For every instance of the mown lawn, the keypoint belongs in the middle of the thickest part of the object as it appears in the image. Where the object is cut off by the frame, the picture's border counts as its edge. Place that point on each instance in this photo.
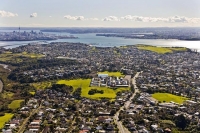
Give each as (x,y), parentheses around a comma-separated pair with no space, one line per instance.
(115,74)
(84,84)
(78,83)
(167,97)
(160,50)
(108,92)
(15,104)
(4,119)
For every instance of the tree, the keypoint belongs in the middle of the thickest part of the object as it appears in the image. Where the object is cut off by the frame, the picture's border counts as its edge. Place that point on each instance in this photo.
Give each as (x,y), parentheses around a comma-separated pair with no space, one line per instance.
(132,88)
(93,91)
(181,121)
(112,112)
(77,93)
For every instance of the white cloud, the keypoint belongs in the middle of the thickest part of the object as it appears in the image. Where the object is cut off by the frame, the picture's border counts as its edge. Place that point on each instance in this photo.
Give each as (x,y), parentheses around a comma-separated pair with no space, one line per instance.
(95,19)
(194,20)
(111,18)
(180,19)
(33,15)
(143,19)
(7,14)
(74,17)
(79,18)
(174,19)
(50,16)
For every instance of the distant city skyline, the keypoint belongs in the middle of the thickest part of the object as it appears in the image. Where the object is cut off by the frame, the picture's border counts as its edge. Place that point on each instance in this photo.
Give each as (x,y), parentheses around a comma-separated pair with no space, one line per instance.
(100,13)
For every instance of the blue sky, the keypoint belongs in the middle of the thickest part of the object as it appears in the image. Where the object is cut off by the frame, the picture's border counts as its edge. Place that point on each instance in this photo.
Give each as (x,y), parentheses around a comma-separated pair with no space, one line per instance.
(100,13)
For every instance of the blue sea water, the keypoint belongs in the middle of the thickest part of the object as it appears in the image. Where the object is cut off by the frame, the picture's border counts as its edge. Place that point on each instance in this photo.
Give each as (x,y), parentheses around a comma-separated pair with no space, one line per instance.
(102,41)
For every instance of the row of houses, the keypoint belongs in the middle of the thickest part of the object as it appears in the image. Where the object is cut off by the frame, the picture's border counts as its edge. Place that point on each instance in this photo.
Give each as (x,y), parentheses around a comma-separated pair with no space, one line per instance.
(109,81)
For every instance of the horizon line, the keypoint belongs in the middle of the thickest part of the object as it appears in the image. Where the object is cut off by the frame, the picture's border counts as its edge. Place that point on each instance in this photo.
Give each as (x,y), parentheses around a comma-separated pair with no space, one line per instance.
(96,27)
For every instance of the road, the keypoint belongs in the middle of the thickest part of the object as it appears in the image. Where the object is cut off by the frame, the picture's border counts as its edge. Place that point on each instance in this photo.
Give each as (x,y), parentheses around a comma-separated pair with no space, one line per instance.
(5,67)
(1,83)
(23,126)
(127,103)
(121,128)
(1,86)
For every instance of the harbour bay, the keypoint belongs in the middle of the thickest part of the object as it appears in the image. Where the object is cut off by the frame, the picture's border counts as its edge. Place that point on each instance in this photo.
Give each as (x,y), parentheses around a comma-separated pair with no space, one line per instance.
(101,41)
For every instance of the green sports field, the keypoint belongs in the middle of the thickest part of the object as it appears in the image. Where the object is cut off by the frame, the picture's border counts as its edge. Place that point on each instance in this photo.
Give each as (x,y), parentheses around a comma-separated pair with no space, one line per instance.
(15,104)
(160,50)
(167,97)
(4,119)
(84,84)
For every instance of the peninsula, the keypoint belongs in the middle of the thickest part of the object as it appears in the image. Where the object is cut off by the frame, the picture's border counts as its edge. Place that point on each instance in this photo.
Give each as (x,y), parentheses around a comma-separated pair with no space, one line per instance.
(31,36)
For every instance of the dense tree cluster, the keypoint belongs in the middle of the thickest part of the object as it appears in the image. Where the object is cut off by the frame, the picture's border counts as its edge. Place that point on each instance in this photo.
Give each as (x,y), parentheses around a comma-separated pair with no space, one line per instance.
(181,121)
(93,91)
(77,93)
(18,74)
(62,88)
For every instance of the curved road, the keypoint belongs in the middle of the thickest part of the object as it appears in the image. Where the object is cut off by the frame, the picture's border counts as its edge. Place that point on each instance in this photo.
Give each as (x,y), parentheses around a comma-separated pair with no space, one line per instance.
(5,66)
(1,83)
(1,86)
(121,128)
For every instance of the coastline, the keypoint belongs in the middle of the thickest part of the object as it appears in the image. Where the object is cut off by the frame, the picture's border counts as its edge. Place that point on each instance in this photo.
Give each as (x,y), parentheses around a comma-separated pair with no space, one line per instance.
(38,39)
(100,41)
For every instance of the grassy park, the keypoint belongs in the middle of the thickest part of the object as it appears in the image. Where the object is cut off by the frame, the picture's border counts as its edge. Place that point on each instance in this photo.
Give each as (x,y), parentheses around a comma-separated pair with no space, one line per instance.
(15,104)
(85,85)
(4,119)
(78,83)
(160,50)
(167,97)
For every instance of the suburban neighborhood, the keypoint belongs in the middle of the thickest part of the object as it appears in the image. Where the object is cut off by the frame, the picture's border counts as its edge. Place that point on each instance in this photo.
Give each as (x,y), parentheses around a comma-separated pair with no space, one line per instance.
(104,90)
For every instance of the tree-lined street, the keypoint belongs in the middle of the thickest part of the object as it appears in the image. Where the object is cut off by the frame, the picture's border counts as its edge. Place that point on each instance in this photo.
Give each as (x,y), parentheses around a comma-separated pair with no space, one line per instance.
(122,129)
